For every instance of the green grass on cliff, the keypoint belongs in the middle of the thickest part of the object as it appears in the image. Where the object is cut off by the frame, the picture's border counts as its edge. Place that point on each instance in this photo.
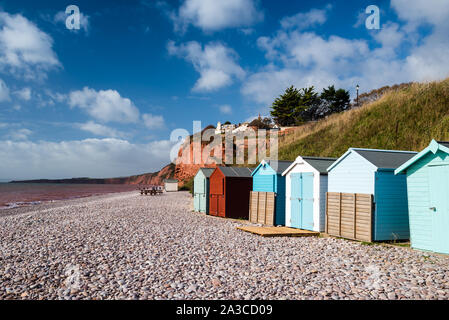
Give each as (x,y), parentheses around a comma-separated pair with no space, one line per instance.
(188,186)
(405,119)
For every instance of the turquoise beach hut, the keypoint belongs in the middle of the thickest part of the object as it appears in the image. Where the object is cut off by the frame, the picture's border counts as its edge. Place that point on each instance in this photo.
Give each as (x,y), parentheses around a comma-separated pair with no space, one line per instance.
(371,171)
(267,177)
(201,190)
(428,197)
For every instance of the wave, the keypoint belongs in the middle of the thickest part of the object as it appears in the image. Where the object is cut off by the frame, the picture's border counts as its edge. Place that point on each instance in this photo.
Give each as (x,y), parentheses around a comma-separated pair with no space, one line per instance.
(12,205)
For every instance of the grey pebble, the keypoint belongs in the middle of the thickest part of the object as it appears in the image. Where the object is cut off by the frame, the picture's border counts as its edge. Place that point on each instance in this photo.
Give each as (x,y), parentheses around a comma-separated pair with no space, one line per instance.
(127,246)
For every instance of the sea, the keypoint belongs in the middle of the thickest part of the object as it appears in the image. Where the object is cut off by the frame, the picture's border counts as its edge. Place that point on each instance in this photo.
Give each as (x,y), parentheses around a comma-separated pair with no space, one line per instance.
(13,195)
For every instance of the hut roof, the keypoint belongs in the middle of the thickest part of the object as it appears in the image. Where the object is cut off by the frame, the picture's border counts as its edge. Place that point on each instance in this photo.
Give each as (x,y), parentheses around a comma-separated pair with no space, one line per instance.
(433,147)
(280,165)
(236,172)
(386,159)
(381,159)
(207,171)
(444,143)
(319,163)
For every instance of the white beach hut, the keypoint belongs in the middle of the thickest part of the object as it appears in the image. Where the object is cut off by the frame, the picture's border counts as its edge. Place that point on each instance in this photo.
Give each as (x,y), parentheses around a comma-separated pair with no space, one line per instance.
(171,185)
(305,197)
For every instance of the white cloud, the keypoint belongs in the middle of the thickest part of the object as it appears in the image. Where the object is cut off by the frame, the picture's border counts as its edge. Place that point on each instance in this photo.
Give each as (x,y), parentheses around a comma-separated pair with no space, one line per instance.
(91,157)
(247,31)
(56,96)
(20,134)
(391,36)
(216,15)
(25,50)
(4,91)
(225,109)
(360,19)
(306,58)
(215,63)
(104,105)
(418,12)
(429,59)
(17,107)
(303,20)
(100,130)
(24,94)
(61,17)
(50,98)
(153,121)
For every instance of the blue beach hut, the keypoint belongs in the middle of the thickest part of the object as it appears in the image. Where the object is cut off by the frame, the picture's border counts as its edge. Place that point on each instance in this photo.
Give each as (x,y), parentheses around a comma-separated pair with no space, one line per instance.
(267,177)
(428,197)
(371,171)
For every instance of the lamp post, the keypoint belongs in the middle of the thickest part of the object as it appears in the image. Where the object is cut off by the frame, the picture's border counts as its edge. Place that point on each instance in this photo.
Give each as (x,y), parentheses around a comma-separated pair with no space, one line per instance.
(357,87)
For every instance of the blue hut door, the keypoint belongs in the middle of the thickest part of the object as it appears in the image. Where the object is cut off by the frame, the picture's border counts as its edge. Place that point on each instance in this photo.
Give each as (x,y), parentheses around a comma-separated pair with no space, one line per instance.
(307,201)
(197,202)
(301,200)
(439,208)
(203,197)
(295,215)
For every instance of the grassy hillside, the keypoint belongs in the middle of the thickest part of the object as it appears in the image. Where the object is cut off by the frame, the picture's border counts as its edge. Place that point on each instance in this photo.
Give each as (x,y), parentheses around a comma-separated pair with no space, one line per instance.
(404,119)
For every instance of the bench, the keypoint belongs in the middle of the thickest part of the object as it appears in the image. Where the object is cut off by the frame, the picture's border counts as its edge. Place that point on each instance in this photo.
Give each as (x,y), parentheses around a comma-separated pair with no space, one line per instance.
(151,190)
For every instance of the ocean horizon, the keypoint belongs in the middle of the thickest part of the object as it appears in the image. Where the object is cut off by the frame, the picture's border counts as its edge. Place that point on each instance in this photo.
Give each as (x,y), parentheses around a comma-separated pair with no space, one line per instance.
(13,195)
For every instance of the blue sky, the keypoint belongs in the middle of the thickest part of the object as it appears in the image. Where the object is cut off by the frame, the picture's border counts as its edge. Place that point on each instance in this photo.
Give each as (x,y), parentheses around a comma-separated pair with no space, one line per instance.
(102,101)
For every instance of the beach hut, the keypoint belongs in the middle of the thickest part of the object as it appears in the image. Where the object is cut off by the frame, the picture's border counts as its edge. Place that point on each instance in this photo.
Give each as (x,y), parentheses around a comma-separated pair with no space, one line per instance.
(366,200)
(305,197)
(428,197)
(171,185)
(229,192)
(267,177)
(201,189)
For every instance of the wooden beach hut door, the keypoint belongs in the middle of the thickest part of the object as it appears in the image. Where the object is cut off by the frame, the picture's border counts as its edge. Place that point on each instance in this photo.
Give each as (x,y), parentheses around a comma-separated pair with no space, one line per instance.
(217,199)
(213,205)
(301,201)
(439,207)
(196,202)
(202,197)
(203,203)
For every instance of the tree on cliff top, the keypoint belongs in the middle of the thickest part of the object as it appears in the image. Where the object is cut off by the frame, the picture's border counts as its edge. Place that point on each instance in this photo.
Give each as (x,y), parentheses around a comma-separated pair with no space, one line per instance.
(287,110)
(336,100)
(297,106)
(284,106)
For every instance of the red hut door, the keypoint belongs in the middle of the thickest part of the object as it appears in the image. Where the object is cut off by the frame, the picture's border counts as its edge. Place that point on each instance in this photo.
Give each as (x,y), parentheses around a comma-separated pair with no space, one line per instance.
(217,197)
(221,201)
(213,205)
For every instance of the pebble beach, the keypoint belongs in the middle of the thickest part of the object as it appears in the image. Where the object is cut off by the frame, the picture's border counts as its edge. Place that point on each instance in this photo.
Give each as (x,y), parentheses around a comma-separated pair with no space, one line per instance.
(128,246)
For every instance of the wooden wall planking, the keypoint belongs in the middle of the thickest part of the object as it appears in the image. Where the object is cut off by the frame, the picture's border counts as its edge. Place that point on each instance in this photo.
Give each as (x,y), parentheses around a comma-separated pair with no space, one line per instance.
(262,207)
(349,215)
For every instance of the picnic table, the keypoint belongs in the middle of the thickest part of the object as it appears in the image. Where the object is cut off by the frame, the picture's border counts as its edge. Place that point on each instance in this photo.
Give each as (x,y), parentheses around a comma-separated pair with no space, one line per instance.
(151,190)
